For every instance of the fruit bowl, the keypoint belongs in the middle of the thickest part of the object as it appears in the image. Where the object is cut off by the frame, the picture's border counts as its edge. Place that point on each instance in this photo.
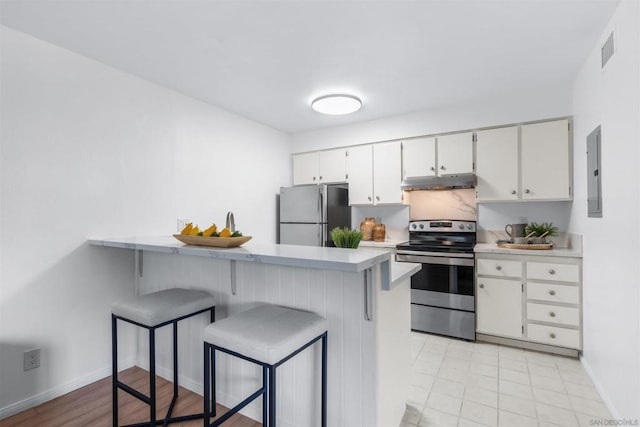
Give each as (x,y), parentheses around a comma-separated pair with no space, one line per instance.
(218,242)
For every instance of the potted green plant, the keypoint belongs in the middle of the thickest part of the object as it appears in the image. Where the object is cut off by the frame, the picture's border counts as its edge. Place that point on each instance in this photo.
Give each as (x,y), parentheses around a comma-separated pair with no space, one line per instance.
(346,238)
(541,231)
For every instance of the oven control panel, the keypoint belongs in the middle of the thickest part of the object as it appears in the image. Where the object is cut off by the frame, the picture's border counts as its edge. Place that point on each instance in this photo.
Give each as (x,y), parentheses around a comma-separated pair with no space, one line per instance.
(443,226)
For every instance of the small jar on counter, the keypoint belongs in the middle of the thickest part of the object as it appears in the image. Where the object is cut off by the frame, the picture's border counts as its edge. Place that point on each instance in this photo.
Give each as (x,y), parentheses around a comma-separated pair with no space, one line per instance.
(379,232)
(366,226)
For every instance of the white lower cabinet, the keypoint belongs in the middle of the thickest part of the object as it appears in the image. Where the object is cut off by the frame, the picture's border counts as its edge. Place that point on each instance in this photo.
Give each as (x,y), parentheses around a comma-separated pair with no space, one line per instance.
(533,299)
(499,307)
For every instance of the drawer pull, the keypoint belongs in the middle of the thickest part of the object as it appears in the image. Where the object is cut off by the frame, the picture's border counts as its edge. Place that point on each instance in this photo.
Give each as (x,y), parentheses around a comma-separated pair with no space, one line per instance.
(481,285)
(552,335)
(552,271)
(552,314)
(552,292)
(498,267)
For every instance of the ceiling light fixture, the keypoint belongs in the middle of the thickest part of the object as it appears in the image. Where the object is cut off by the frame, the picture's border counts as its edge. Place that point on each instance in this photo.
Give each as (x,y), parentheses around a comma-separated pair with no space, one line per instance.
(336,104)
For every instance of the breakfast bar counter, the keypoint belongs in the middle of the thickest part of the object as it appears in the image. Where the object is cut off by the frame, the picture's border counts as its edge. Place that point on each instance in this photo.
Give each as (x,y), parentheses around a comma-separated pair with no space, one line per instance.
(363,294)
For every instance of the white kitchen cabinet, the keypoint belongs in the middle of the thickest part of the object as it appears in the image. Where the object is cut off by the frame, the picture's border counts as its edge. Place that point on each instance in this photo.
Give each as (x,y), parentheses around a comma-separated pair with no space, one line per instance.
(499,307)
(321,167)
(419,157)
(374,174)
(360,174)
(441,156)
(332,166)
(305,169)
(455,153)
(497,164)
(545,155)
(534,299)
(387,173)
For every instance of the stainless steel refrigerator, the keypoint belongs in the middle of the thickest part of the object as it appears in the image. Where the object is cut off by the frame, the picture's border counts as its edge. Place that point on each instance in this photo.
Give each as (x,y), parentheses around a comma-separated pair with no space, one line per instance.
(308,213)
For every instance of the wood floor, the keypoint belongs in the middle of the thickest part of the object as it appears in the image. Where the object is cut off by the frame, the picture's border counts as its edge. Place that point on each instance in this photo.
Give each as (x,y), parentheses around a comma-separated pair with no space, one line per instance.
(91,406)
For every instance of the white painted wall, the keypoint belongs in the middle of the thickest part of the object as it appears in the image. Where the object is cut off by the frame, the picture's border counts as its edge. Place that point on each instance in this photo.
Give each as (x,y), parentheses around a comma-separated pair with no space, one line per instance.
(611,98)
(89,151)
(533,104)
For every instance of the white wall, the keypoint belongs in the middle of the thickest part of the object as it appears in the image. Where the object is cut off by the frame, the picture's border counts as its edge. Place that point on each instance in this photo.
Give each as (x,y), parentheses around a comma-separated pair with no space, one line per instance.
(89,151)
(536,104)
(611,98)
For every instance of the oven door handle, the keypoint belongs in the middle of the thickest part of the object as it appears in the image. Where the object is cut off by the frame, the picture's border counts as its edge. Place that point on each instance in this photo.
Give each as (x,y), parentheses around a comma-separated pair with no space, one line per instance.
(440,260)
(437,254)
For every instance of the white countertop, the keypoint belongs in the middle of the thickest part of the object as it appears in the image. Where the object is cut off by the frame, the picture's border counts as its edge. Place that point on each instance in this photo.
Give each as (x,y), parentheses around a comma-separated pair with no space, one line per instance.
(385,244)
(348,260)
(492,248)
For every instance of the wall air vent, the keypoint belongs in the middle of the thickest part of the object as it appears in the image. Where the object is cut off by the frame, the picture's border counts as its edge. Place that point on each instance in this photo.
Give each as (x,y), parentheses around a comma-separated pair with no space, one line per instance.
(607,50)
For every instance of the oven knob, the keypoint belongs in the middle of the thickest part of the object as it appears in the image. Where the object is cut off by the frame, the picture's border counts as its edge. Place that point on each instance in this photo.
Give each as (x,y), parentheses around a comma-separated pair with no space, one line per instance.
(414,226)
(461,226)
(469,226)
(421,226)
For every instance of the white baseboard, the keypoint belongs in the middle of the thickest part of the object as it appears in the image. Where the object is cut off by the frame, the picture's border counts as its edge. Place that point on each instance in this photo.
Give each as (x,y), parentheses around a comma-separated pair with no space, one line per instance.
(605,398)
(72,385)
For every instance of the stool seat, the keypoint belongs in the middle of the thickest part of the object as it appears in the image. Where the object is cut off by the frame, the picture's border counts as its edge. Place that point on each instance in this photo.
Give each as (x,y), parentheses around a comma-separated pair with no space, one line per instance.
(163,306)
(267,333)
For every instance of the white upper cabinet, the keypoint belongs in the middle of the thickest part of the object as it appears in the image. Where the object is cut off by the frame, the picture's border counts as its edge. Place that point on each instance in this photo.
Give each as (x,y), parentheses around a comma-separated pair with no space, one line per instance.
(546,171)
(360,174)
(419,157)
(441,156)
(497,164)
(305,169)
(455,154)
(322,167)
(387,173)
(375,174)
(332,166)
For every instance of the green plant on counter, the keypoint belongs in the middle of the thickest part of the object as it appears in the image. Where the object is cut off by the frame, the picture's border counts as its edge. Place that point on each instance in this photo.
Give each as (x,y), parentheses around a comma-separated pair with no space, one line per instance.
(345,238)
(540,229)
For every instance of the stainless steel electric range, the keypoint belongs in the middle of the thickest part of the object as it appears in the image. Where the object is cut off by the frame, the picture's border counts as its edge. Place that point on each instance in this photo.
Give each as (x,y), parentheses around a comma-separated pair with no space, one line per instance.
(442,293)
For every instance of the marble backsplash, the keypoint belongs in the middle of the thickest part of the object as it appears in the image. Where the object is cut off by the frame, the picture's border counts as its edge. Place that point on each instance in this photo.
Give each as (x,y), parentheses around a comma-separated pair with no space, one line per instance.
(459,204)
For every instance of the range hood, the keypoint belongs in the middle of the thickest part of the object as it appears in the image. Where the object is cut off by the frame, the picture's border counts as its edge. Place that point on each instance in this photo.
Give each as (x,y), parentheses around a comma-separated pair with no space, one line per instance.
(467,180)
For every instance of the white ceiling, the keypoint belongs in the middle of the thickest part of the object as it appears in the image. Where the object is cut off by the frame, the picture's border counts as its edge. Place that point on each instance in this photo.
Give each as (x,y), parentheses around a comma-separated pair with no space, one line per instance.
(266,60)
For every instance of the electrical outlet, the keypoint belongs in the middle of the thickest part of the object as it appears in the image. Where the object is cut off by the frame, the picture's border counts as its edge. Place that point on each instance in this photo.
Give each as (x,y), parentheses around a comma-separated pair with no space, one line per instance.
(31,359)
(182,223)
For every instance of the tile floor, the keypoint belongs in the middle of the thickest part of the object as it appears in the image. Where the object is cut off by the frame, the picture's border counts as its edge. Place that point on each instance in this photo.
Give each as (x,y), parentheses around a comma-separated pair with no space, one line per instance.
(459,383)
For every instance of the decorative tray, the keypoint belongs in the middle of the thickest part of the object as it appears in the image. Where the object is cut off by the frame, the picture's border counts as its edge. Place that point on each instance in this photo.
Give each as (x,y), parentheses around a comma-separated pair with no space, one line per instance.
(530,246)
(218,242)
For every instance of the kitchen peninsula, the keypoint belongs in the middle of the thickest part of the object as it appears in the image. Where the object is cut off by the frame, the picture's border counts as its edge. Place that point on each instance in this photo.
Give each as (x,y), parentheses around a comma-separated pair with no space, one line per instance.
(361,293)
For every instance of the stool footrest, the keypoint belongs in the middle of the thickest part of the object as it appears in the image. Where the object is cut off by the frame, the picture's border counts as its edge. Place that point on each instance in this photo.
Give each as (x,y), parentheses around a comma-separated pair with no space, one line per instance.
(169,420)
(231,412)
(133,392)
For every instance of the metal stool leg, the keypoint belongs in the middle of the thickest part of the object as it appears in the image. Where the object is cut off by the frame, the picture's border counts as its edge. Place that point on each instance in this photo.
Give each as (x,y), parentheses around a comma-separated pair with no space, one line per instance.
(324,380)
(152,376)
(114,368)
(207,385)
(272,396)
(265,395)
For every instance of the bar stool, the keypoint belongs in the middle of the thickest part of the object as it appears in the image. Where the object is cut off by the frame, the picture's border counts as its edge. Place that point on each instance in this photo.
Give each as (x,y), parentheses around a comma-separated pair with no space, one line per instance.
(152,311)
(268,336)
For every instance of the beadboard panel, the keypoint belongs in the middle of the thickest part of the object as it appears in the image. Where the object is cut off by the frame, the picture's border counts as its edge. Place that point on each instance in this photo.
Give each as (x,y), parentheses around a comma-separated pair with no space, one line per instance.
(338,296)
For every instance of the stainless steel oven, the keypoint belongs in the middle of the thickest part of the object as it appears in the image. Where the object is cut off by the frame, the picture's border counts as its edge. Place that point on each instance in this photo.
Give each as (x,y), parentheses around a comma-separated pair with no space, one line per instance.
(442,293)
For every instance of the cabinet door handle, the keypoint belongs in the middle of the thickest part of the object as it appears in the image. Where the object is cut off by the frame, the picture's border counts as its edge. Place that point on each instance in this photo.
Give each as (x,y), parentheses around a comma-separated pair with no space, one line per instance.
(498,267)
(442,168)
(481,285)
(552,314)
(378,198)
(369,198)
(513,191)
(321,177)
(433,168)
(552,292)
(552,271)
(314,178)
(527,191)
(552,335)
